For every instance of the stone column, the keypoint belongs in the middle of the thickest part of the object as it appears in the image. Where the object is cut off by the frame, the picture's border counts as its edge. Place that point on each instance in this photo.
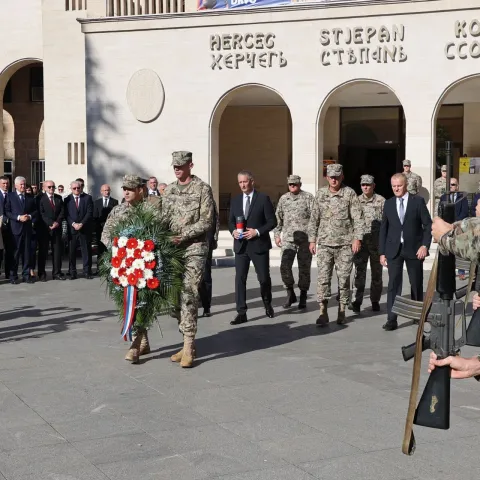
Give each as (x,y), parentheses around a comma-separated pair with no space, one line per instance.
(471,128)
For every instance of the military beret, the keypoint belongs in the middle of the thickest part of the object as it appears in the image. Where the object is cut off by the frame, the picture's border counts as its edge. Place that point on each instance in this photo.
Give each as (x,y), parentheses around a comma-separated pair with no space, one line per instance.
(334,170)
(181,158)
(366,179)
(407,163)
(294,179)
(131,181)
(444,168)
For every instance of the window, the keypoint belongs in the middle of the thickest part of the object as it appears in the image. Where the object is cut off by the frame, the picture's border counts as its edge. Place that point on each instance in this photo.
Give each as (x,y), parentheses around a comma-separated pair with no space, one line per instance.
(37,175)
(7,94)
(8,170)
(36,84)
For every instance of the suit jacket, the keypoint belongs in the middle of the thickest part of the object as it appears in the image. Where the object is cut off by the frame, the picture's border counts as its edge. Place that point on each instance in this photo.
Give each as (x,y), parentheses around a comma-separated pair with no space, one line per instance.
(14,208)
(461,205)
(476,198)
(261,216)
(100,213)
(83,215)
(49,215)
(416,228)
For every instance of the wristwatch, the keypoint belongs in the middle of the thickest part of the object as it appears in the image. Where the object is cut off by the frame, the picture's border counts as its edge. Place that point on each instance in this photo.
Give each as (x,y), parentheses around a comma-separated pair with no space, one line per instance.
(477,377)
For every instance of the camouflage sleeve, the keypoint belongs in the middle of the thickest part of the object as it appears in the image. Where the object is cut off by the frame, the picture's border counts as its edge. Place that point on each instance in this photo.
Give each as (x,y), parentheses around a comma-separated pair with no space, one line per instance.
(108,227)
(312,230)
(465,240)
(419,182)
(217,223)
(279,214)
(356,214)
(205,220)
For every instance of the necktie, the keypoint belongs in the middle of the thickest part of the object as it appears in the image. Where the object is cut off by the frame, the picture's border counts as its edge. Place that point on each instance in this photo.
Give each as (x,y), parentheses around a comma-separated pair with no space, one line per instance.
(77,201)
(401,211)
(452,198)
(52,203)
(105,203)
(22,199)
(247,206)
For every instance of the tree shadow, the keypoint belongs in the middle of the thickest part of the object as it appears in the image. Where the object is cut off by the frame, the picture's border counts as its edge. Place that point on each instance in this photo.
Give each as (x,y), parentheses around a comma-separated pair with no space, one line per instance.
(249,338)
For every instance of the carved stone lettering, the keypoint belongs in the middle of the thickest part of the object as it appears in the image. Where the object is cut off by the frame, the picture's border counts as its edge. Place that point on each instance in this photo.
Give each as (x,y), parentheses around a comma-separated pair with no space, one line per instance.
(468,31)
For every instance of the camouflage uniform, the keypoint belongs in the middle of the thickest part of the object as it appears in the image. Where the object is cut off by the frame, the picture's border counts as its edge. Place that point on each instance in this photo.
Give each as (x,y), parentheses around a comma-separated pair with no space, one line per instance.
(189,211)
(439,188)
(464,241)
(336,221)
(414,181)
(293,213)
(373,213)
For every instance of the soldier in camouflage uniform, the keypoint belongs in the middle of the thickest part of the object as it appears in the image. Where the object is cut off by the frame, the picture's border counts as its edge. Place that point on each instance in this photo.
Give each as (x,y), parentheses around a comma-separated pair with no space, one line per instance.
(336,226)
(187,206)
(414,181)
(372,205)
(439,188)
(133,194)
(293,213)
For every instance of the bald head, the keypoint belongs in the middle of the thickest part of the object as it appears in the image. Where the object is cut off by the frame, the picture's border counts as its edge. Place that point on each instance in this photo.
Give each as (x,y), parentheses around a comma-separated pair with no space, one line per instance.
(105,190)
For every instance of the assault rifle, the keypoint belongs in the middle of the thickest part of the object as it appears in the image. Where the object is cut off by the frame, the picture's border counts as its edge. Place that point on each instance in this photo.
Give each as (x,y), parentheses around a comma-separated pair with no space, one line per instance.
(439,308)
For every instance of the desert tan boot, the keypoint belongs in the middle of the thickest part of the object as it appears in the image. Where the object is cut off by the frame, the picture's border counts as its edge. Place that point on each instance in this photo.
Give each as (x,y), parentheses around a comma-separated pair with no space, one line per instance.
(144,343)
(133,353)
(188,352)
(322,320)
(177,357)
(341,315)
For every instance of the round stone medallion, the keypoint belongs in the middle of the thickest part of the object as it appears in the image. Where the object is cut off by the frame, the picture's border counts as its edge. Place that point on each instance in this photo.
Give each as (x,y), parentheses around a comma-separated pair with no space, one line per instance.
(145,95)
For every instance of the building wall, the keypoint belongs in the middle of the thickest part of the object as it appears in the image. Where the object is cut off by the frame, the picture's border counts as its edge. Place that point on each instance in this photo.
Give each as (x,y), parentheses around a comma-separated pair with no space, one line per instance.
(255,139)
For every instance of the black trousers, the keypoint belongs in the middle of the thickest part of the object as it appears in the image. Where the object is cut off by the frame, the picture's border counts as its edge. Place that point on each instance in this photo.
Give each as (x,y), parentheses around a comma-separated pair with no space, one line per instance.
(21,253)
(53,240)
(85,241)
(261,262)
(101,248)
(6,255)
(205,289)
(395,280)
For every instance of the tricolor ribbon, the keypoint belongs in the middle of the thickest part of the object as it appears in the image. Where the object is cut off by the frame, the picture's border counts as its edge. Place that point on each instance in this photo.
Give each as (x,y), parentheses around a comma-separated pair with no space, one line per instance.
(129,302)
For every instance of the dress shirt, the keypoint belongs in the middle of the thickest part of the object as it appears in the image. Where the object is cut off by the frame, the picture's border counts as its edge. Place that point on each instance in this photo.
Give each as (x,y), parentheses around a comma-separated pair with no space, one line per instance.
(75,200)
(245,196)
(105,201)
(405,202)
(152,192)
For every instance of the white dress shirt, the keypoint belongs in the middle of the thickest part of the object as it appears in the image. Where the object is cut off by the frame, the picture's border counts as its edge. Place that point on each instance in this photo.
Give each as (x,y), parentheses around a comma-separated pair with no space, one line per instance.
(405,202)
(245,196)
(152,192)
(105,201)
(22,194)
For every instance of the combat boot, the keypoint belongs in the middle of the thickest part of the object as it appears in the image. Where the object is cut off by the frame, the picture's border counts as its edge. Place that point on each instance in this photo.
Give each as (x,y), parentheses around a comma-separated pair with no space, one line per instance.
(341,314)
(291,298)
(188,352)
(144,343)
(355,307)
(303,299)
(322,320)
(177,357)
(133,354)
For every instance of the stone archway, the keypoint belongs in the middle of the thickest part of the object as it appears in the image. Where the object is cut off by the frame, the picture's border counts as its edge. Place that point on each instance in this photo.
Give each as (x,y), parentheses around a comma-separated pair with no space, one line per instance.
(250,129)
(361,124)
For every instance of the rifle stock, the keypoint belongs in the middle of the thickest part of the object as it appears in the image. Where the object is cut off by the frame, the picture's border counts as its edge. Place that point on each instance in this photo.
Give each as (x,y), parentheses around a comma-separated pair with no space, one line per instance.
(473,329)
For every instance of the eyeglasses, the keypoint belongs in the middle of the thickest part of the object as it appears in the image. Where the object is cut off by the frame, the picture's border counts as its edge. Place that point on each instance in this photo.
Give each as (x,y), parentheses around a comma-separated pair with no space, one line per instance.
(366,185)
(51,186)
(453,185)
(292,184)
(75,188)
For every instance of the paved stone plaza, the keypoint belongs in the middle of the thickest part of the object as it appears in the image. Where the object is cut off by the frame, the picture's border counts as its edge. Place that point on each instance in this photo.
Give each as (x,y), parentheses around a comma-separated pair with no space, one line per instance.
(269,400)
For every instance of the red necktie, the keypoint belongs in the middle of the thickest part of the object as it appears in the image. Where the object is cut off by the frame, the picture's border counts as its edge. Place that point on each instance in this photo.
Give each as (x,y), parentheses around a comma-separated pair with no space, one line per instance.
(52,202)
(76,201)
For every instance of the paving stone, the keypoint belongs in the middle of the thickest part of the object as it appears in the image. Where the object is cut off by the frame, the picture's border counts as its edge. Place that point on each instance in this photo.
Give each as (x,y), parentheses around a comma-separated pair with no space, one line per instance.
(27,437)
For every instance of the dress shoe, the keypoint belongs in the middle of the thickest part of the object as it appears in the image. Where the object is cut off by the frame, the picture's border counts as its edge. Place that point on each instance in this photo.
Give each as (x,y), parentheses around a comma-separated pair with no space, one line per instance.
(29,280)
(42,277)
(355,307)
(291,298)
(73,276)
(269,311)
(240,318)
(375,306)
(59,277)
(206,312)
(390,325)
(88,275)
(14,281)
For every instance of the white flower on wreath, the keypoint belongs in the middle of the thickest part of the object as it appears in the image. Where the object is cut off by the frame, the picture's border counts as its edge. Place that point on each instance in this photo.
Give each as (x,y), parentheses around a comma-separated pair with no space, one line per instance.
(148,256)
(141,244)
(129,271)
(114,272)
(130,252)
(138,263)
(114,251)
(123,281)
(122,241)
(141,283)
(147,274)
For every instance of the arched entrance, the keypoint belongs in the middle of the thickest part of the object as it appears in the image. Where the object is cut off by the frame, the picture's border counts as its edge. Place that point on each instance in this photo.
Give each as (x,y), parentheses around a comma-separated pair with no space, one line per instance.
(21,95)
(251,129)
(457,119)
(362,126)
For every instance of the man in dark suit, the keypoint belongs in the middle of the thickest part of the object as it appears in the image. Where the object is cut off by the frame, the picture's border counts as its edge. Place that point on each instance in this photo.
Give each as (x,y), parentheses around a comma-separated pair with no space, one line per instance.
(460,201)
(21,211)
(49,231)
(79,215)
(405,236)
(253,245)
(6,255)
(152,185)
(101,208)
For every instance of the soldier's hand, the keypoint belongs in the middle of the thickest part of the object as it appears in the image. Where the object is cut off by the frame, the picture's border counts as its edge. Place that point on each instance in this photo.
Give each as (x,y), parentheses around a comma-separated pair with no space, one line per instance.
(476,301)
(278,242)
(356,245)
(461,367)
(176,240)
(477,209)
(383,260)
(313,248)
(440,227)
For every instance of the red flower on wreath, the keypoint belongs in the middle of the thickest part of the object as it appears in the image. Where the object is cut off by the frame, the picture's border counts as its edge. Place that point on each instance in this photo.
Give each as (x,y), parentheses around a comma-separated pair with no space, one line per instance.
(153,283)
(150,265)
(116,281)
(138,273)
(148,246)
(132,243)
(132,279)
(137,253)
(115,242)
(116,262)
(129,262)
(122,272)
(122,252)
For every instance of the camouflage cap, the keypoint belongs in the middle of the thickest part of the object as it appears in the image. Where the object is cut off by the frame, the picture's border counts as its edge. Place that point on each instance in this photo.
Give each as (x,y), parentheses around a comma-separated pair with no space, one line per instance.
(366,179)
(132,181)
(181,158)
(294,179)
(444,168)
(407,163)
(334,170)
